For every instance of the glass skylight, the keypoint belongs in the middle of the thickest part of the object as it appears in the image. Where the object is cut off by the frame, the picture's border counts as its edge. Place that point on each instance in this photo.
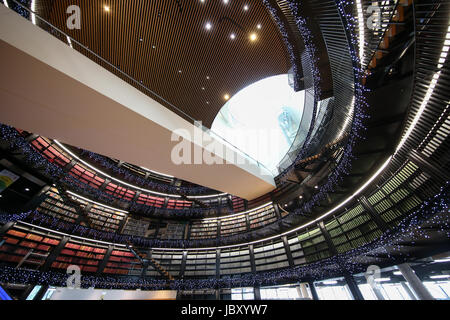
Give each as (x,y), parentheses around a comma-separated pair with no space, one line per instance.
(262,119)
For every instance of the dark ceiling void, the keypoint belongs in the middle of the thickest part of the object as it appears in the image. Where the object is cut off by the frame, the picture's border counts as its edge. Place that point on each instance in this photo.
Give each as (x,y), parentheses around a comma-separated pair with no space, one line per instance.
(191,53)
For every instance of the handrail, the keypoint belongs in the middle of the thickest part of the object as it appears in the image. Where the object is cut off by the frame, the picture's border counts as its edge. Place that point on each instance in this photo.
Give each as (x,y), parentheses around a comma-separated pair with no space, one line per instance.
(196,123)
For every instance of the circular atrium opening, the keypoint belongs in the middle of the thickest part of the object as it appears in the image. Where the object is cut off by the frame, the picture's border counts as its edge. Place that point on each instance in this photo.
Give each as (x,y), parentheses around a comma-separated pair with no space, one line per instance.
(262,119)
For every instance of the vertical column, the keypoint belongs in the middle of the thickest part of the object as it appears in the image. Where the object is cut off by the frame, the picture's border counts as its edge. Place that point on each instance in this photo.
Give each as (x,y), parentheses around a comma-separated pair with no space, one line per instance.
(304,291)
(158,223)
(419,289)
(219,228)
(247,222)
(54,254)
(6,227)
(103,186)
(189,229)
(426,165)
(373,214)
(122,224)
(183,264)
(257,292)
(136,196)
(41,292)
(252,258)
(218,263)
(314,294)
(277,211)
(105,260)
(219,206)
(408,290)
(327,237)
(288,251)
(353,286)
(378,293)
(70,165)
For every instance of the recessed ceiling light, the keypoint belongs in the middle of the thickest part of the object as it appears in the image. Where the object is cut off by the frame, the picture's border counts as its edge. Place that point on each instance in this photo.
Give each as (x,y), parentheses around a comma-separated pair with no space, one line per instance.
(253,37)
(301,197)
(27,189)
(154,47)
(107,8)
(207,77)
(203,88)
(179,71)
(316,187)
(207,102)
(1,196)
(232,36)
(208,26)
(225,1)
(226,96)
(245,7)
(259,26)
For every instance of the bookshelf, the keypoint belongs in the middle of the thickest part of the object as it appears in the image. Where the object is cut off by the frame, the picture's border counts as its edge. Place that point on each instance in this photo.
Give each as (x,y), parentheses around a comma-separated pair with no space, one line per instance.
(235,260)
(173,231)
(50,151)
(262,217)
(85,175)
(18,242)
(86,256)
(204,229)
(122,262)
(54,206)
(150,200)
(178,204)
(104,218)
(136,227)
(233,225)
(120,192)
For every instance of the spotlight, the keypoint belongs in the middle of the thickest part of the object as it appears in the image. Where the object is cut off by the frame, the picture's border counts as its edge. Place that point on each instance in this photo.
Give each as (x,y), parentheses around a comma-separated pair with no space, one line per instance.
(107,8)
(208,26)
(253,37)
(226,96)
(246,8)
(259,26)
(232,36)
(27,189)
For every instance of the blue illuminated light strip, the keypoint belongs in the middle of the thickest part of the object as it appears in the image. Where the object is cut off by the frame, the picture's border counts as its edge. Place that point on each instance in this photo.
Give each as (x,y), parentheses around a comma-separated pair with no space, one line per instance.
(4,295)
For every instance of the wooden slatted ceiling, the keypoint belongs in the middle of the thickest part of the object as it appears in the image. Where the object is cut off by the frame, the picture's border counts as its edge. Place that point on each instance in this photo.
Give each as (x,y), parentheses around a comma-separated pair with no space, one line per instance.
(174,40)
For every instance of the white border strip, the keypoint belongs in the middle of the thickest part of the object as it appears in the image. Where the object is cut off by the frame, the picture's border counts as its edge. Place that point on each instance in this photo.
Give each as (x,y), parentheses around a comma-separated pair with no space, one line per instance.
(127,184)
(101,205)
